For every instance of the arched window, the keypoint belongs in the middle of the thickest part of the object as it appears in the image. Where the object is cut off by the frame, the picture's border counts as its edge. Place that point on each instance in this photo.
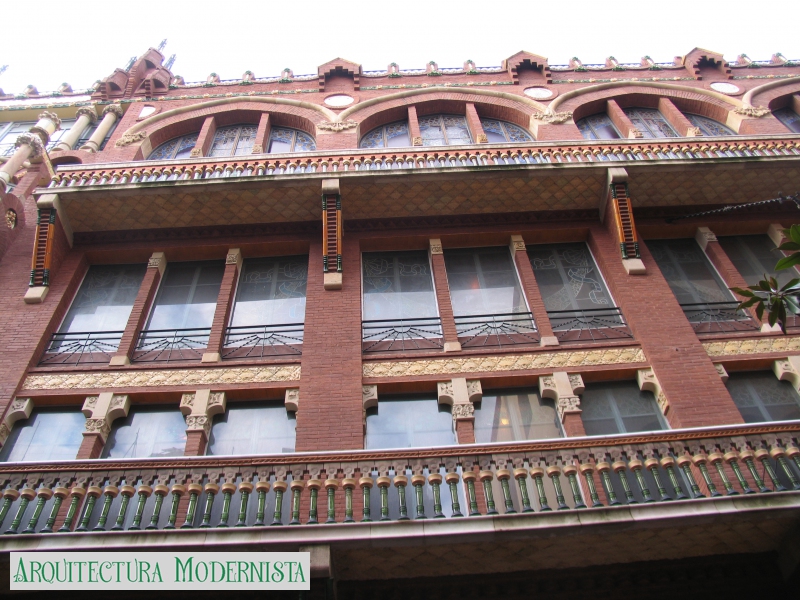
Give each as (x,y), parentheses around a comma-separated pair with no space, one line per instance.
(235,140)
(789,118)
(650,122)
(444,130)
(393,135)
(179,147)
(709,127)
(282,139)
(598,127)
(502,132)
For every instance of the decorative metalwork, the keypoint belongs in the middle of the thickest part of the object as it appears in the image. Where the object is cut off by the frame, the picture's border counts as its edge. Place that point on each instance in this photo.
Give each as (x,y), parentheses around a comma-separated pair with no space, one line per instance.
(593,325)
(505,329)
(250,341)
(718,317)
(81,347)
(163,345)
(401,335)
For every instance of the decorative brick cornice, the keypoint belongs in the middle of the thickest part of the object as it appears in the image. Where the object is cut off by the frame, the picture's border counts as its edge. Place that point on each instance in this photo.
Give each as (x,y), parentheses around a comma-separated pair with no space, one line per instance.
(766,345)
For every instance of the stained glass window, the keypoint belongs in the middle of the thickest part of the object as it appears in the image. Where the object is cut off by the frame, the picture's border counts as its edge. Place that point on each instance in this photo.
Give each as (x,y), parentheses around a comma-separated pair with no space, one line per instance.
(187,296)
(789,118)
(393,135)
(483,281)
(501,132)
(236,140)
(688,271)
(598,127)
(398,285)
(46,435)
(709,127)
(650,122)
(568,277)
(515,415)
(105,299)
(180,147)
(253,428)
(619,407)
(271,291)
(754,256)
(409,422)
(444,130)
(763,397)
(282,139)
(156,432)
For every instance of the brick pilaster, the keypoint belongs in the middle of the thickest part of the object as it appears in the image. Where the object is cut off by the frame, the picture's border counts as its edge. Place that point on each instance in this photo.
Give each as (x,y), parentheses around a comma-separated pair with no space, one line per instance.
(573,425)
(225,300)
(443,297)
(196,442)
(261,144)
(413,127)
(205,137)
(621,121)
(676,118)
(465,431)
(474,124)
(531,290)
(91,446)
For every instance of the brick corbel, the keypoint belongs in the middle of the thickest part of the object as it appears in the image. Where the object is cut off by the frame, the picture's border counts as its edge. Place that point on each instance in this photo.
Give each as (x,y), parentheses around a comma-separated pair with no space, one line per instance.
(564,389)
(291,400)
(621,121)
(788,369)
(19,410)
(199,408)
(648,382)
(100,411)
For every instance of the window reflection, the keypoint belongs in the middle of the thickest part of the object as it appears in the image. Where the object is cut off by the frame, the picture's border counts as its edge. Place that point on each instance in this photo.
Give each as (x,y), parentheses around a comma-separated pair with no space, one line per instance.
(409,422)
(688,271)
(187,296)
(147,432)
(515,415)
(398,285)
(568,277)
(755,255)
(598,127)
(763,397)
(46,435)
(253,428)
(444,130)
(483,281)
(271,291)
(619,407)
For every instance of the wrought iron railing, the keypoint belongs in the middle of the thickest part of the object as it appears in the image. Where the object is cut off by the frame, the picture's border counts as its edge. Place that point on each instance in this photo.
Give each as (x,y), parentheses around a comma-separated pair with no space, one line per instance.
(396,485)
(485,156)
(82,347)
(503,329)
(165,345)
(401,335)
(718,317)
(590,325)
(258,341)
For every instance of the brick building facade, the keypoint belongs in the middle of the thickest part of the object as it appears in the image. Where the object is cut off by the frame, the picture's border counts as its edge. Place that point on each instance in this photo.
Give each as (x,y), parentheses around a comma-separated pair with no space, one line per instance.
(500,293)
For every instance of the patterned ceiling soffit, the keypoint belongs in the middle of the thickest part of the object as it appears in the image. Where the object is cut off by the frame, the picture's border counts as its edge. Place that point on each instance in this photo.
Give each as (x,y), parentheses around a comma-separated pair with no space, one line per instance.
(486,364)
(757,346)
(161,378)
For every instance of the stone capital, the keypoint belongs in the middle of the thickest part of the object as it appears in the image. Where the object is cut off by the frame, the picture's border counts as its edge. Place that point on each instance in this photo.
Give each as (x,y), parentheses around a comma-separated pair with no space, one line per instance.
(158,260)
(369,396)
(648,382)
(19,410)
(200,407)
(435,245)
(114,109)
(234,257)
(788,369)
(564,389)
(517,244)
(101,410)
(703,236)
(460,394)
(34,141)
(87,111)
(291,399)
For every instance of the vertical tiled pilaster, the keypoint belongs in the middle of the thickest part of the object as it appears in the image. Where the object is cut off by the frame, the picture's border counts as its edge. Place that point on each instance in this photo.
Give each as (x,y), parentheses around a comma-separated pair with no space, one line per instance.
(451,343)
(474,124)
(413,127)
(621,120)
(677,119)
(225,300)
(205,138)
(261,144)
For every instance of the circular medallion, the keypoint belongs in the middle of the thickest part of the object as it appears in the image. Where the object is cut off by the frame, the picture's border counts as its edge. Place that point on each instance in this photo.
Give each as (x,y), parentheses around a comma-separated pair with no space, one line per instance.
(725,88)
(539,93)
(339,100)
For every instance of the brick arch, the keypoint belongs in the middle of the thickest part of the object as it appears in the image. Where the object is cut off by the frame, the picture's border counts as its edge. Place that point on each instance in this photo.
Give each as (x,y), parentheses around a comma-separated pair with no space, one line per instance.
(688,100)
(777,94)
(66,160)
(505,107)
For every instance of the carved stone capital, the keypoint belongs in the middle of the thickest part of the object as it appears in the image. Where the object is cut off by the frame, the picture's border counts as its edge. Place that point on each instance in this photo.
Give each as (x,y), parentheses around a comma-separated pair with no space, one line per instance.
(553,118)
(5,431)
(198,423)
(369,396)
(19,410)
(158,260)
(337,126)
(436,246)
(752,111)
(114,109)
(234,257)
(416,141)
(196,153)
(257,149)
(187,401)
(32,140)
(704,235)
(291,400)
(131,138)
(517,244)
(723,373)
(463,412)
(99,426)
(52,117)
(693,132)
(568,404)
(648,382)
(788,369)
(481,139)
(87,111)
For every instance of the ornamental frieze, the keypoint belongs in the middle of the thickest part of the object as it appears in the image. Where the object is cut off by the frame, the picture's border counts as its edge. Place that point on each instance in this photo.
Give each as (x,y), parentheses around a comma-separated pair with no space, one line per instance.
(764,345)
(523,362)
(162,378)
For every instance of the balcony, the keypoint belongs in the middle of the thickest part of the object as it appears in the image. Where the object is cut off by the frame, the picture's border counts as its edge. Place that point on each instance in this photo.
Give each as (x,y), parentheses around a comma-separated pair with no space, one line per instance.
(260,341)
(81,348)
(167,345)
(496,331)
(718,317)
(590,325)
(401,335)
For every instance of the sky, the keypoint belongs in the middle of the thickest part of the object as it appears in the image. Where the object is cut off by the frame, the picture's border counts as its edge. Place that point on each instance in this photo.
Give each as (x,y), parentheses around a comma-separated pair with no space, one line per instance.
(266,36)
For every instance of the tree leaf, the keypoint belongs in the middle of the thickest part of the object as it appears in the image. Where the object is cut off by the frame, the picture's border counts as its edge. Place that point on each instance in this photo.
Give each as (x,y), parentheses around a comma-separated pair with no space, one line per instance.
(788,261)
(760,311)
(794,233)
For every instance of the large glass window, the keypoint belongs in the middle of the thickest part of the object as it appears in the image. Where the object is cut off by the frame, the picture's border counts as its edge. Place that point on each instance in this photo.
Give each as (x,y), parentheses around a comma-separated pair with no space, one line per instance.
(398,285)
(46,435)
(187,296)
(754,256)
(282,139)
(179,147)
(253,428)
(514,415)
(444,130)
(650,122)
(688,271)
(598,127)
(501,131)
(156,432)
(393,135)
(763,397)
(483,281)
(235,140)
(271,291)
(409,422)
(789,118)
(9,132)
(619,407)
(709,127)
(55,137)
(105,299)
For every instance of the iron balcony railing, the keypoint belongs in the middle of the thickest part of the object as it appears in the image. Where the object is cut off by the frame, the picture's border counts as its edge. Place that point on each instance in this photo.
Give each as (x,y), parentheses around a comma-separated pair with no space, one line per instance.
(502,329)
(397,485)
(83,347)
(482,156)
(165,345)
(718,317)
(589,325)
(401,335)
(258,341)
